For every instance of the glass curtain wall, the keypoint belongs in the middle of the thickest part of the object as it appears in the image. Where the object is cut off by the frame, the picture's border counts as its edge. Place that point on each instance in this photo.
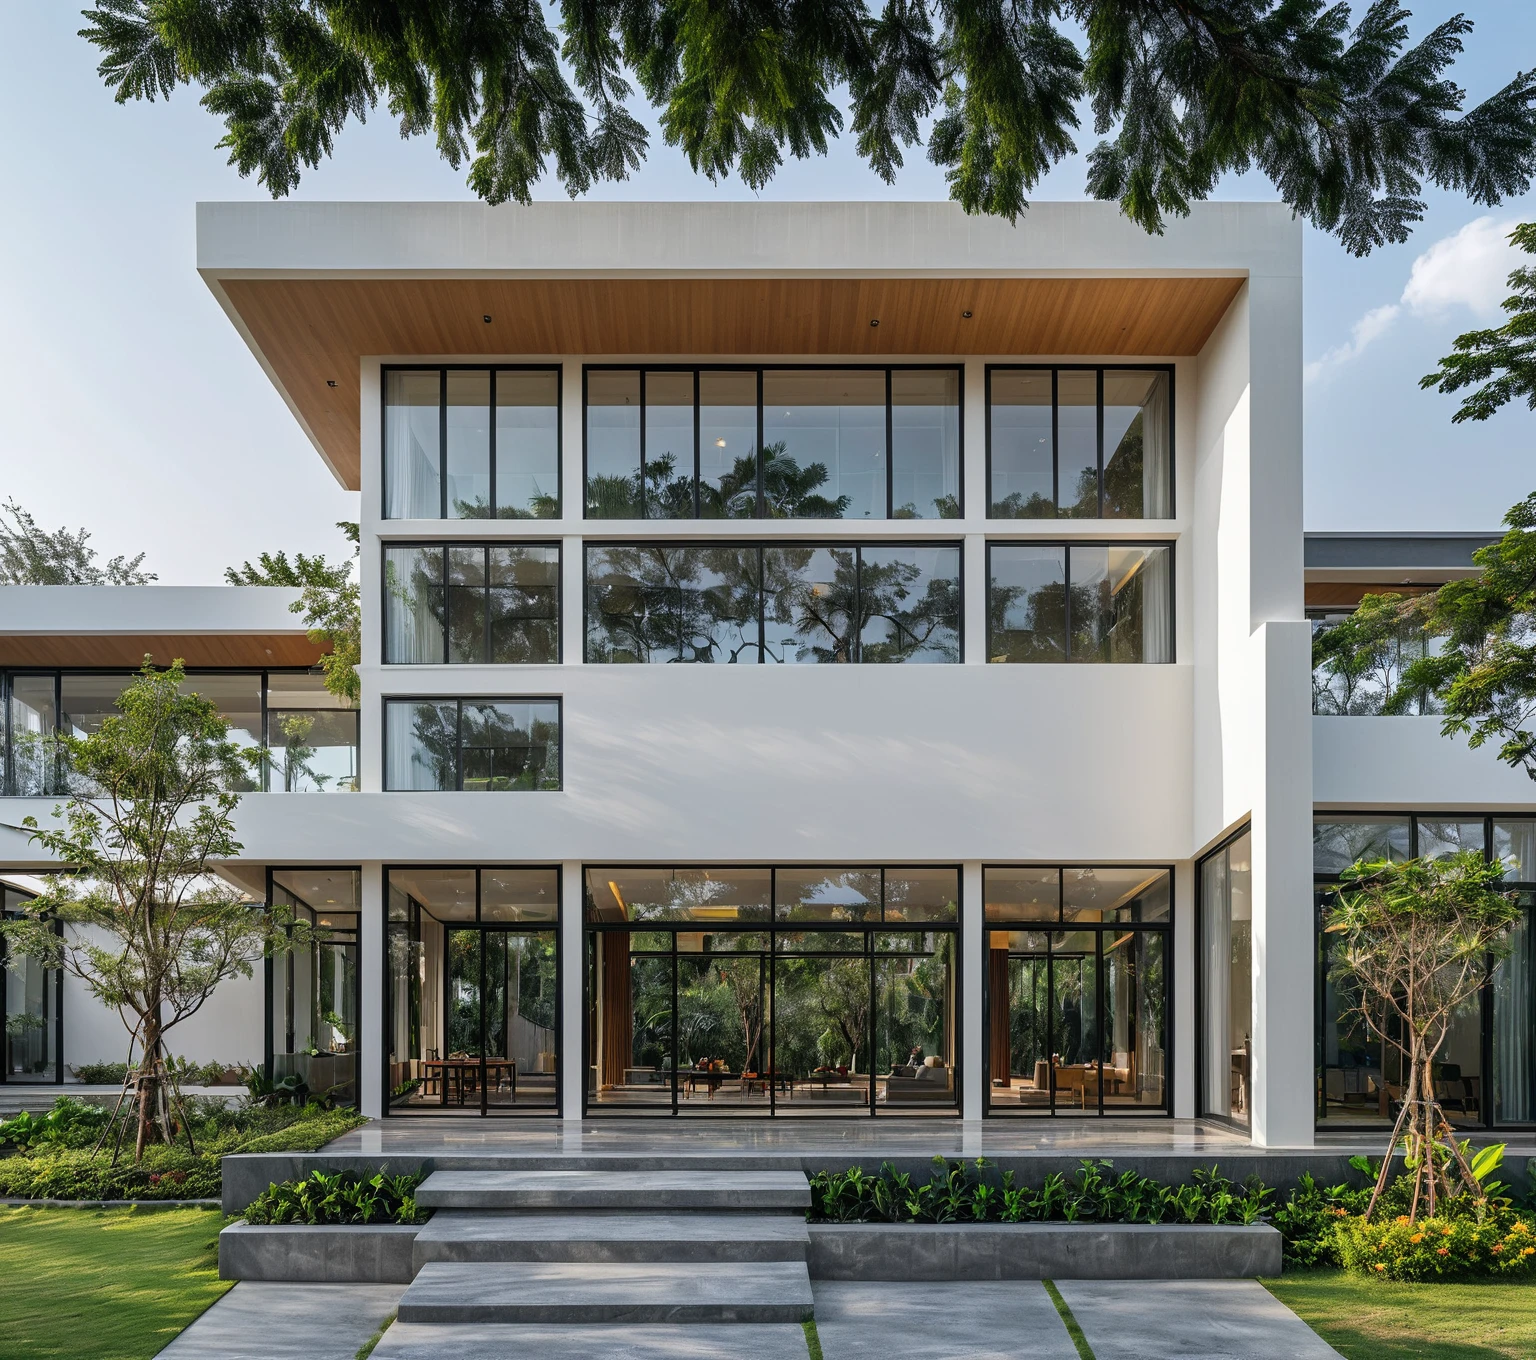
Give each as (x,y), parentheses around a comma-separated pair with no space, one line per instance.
(472,994)
(471,603)
(780,604)
(1077,990)
(765,991)
(1485,1073)
(471,745)
(1225,960)
(314,999)
(1079,443)
(310,734)
(471,443)
(31,1009)
(774,443)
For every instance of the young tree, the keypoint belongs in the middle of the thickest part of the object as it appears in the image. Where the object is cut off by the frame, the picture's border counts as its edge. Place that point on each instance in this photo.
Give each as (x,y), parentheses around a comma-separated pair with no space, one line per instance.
(1347,124)
(1502,359)
(331,603)
(1416,938)
(147,927)
(31,556)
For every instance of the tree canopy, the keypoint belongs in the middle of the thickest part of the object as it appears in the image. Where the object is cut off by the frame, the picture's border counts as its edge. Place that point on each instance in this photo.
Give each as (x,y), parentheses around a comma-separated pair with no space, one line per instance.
(1348,122)
(33,556)
(1503,358)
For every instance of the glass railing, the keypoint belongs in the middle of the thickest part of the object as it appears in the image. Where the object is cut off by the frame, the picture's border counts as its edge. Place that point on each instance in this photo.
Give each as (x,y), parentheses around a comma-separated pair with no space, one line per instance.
(1359,682)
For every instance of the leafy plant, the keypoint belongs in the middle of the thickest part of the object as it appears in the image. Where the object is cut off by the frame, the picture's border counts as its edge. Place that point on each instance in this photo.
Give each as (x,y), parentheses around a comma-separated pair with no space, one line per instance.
(70,1123)
(338,1197)
(1497,1244)
(102,1073)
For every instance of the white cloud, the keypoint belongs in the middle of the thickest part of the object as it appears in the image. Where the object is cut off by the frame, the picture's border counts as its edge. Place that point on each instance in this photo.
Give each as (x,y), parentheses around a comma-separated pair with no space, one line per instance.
(1467,269)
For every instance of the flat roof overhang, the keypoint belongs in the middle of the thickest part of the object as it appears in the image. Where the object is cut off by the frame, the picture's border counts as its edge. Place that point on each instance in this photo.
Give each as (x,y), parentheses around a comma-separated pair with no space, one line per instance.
(316,288)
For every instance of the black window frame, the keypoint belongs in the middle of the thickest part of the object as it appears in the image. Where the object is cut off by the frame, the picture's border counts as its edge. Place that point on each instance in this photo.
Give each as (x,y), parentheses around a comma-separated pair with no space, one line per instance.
(1067,545)
(443,370)
(58,995)
(1100,930)
(1100,369)
(759,369)
(458,747)
(770,930)
(9,674)
(761,546)
(486,545)
(1202,1058)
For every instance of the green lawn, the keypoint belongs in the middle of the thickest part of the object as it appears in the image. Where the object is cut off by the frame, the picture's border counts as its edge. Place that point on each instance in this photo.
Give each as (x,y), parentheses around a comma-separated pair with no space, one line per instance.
(115,1284)
(1370,1320)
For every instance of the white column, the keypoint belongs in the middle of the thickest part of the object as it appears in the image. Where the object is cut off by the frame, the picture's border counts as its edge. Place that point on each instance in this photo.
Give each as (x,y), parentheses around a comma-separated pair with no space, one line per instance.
(573,492)
(573,1058)
(973,455)
(372,919)
(572,601)
(973,1073)
(1184,1036)
(975,600)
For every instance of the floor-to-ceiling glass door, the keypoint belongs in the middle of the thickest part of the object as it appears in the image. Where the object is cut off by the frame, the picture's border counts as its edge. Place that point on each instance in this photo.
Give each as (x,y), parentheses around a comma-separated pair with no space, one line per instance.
(1077,990)
(472,991)
(31,1017)
(771,992)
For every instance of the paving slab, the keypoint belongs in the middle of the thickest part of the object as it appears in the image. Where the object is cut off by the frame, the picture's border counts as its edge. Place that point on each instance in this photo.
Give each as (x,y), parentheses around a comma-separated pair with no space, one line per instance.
(939,1321)
(644,1190)
(258,1320)
(584,1292)
(502,1341)
(499,1235)
(1189,1320)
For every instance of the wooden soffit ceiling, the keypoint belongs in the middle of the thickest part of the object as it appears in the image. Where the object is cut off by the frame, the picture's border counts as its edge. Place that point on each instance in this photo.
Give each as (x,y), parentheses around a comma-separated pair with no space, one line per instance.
(313,331)
(128,650)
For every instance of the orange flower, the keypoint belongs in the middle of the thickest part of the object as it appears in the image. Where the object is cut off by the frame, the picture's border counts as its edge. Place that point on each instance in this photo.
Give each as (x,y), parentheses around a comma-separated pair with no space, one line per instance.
(1528,1251)
(1402,1218)
(1445,1232)
(1497,1246)
(1443,1251)
(1417,1237)
(1379,1266)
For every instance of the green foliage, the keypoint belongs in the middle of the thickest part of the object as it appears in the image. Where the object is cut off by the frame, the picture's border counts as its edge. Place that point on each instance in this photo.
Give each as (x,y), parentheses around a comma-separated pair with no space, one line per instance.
(339,1197)
(31,556)
(1497,1244)
(1360,663)
(974,1192)
(331,603)
(63,1167)
(1347,124)
(70,1123)
(1502,358)
(102,1073)
(1308,1217)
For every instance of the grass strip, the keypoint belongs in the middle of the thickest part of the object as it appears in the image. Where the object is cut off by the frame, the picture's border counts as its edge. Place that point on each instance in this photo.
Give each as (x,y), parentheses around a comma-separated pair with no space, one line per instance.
(1084,1350)
(812,1339)
(366,1349)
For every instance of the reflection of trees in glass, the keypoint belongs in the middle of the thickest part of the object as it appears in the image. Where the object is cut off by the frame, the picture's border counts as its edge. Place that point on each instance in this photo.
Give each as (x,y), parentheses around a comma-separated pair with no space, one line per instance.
(297,754)
(502,746)
(1027,624)
(1123,473)
(536,978)
(540,506)
(660,491)
(672,604)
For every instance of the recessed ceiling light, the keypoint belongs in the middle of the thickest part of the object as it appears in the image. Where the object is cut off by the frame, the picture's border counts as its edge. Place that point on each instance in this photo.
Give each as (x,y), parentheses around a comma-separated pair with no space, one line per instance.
(719,443)
(330,382)
(966,315)
(486,318)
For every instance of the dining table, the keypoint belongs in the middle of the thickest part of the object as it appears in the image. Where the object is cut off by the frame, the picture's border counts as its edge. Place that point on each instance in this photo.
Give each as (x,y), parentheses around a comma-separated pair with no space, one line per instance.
(463,1074)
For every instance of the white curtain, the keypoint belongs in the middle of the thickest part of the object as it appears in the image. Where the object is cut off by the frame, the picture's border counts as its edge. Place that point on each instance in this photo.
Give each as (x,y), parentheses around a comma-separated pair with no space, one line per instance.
(1513,1022)
(1156,450)
(1157,606)
(1216,980)
(414,606)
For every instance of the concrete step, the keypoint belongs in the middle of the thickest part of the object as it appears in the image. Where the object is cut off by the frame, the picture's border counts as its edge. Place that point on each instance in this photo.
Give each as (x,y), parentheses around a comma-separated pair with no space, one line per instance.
(648,1191)
(585,1293)
(554,1341)
(497,1235)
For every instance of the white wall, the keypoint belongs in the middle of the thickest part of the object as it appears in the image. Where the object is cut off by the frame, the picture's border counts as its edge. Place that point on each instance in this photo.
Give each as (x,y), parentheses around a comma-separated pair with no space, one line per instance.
(1381,763)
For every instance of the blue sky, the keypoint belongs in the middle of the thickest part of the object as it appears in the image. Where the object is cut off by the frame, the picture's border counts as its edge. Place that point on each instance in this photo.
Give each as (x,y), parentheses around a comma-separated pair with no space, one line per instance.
(131,406)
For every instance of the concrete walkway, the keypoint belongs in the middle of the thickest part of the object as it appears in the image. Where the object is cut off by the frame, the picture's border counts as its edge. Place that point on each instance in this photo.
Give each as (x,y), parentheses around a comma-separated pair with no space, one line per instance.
(510,1341)
(939,1321)
(257,1321)
(1188,1320)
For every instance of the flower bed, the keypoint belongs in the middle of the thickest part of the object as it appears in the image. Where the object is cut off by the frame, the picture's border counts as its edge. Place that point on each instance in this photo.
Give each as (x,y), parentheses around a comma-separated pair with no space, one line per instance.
(338,1198)
(53,1158)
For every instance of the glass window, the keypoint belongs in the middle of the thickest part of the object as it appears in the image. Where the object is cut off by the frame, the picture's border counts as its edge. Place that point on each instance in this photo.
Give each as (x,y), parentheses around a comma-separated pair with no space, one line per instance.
(727,444)
(1514,1025)
(810,610)
(1119,604)
(1339,841)
(1080,443)
(1114,895)
(1083,602)
(527,444)
(921,895)
(1027,603)
(1024,894)
(925,443)
(1020,441)
(1077,443)
(824,436)
(468,640)
(313,750)
(523,603)
(1514,845)
(617,895)
(415,605)
(421,744)
(1226,979)
(519,895)
(687,604)
(613,444)
(909,604)
(237,698)
(832,895)
(1440,840)
(469,443)
(509,744)
(1138,458)
(412,444)
(34,768)
(668,445)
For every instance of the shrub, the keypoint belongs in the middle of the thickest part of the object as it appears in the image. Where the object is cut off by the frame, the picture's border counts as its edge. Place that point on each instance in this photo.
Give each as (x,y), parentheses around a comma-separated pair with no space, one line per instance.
(1498,1244)
(102,1073)
(1309,1216)
(338,1197)
(70,1123)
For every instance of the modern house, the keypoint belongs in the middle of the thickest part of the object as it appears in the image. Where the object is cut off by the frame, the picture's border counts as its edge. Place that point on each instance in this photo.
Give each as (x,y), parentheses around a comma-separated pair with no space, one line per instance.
(985,776)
